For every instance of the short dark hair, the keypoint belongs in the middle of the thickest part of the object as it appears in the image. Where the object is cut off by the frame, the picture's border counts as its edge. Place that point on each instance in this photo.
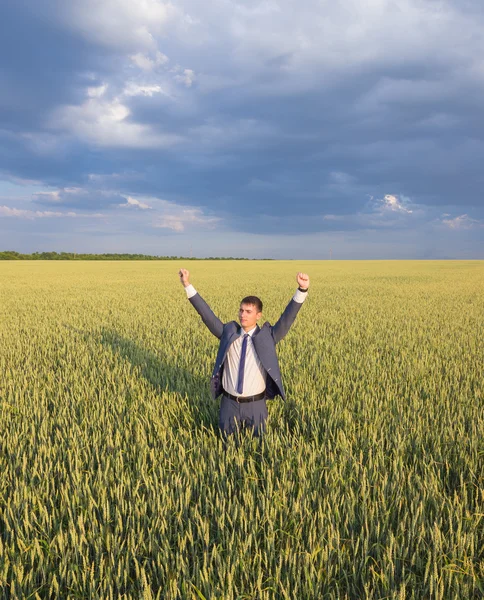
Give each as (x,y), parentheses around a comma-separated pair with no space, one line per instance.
(253,300)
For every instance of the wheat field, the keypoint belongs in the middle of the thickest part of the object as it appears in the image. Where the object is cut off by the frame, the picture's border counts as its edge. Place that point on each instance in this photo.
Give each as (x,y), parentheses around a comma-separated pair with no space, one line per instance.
(114,482)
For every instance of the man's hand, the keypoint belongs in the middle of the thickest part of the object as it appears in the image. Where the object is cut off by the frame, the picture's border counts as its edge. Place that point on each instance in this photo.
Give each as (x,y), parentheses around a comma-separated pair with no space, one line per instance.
(184,277)
(303,280)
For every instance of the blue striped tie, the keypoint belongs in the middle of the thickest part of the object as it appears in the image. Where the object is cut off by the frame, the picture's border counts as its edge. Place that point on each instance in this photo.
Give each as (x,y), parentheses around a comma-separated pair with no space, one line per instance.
(240,380)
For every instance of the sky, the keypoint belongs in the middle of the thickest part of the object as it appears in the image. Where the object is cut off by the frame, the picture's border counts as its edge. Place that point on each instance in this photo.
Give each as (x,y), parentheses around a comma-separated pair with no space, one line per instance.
(259,129)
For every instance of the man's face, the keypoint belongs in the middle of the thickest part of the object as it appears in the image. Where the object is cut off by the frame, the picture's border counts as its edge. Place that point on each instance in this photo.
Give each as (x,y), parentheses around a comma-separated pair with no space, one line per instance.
(248,315)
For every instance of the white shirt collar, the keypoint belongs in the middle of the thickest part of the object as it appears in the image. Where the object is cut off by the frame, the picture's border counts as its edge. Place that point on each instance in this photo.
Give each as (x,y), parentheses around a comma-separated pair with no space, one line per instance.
(251,332)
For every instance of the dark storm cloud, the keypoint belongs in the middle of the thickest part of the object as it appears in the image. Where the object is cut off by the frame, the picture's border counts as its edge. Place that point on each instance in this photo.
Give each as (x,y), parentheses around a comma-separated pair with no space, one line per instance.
(43,65)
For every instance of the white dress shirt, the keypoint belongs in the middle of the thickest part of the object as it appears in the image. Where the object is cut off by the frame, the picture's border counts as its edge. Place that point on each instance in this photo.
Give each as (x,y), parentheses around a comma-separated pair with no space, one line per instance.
(254,373)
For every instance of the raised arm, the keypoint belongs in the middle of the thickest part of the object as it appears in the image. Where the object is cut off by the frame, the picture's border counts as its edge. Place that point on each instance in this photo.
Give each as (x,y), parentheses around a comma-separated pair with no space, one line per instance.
(280,329)
(213,323)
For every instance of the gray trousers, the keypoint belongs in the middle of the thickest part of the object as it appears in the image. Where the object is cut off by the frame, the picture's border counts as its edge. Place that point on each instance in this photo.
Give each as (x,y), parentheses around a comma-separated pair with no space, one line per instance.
(234,416)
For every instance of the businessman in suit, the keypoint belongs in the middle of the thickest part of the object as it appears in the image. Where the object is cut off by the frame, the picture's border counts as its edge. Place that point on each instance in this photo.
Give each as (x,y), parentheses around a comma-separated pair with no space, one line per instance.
(246,371)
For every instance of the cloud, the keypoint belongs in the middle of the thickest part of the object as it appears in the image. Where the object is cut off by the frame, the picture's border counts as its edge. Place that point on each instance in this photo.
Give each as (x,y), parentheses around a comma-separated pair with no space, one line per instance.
(7,211)
(179,218)
(119,23)
(187,78)
(154,212)
(97,91)
(114,179)
(462,222)
(146,63)
(78,197)
(134,89)
(220,132)
(133,203)
(106,123)
(389,212)
(392,211)
(391,203)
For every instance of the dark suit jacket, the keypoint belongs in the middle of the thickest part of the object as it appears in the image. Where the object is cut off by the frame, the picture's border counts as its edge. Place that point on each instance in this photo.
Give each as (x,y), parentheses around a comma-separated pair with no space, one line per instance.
(265,339)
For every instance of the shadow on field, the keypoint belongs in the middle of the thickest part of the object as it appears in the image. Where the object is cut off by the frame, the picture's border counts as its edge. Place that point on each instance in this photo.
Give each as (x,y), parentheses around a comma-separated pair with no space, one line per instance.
(196,408)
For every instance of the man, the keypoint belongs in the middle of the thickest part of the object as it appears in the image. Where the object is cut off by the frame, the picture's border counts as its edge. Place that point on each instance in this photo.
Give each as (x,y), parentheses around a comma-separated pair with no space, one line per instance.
(246,370)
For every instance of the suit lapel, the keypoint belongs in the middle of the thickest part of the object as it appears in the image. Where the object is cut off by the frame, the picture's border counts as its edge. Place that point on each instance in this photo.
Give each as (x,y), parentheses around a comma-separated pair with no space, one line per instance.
(234,335)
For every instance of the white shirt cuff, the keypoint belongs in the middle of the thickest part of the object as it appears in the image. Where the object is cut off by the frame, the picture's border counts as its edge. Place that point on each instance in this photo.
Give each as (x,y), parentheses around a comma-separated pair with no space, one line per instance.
(300,296)
(190,290)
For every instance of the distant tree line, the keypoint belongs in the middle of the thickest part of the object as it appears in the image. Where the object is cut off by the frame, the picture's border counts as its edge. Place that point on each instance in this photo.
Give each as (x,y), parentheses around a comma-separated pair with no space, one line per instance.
(12,255)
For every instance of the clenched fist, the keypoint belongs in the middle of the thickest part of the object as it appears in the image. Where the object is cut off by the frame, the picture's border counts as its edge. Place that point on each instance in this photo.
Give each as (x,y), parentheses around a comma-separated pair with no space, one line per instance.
(303,280)
(184,277)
